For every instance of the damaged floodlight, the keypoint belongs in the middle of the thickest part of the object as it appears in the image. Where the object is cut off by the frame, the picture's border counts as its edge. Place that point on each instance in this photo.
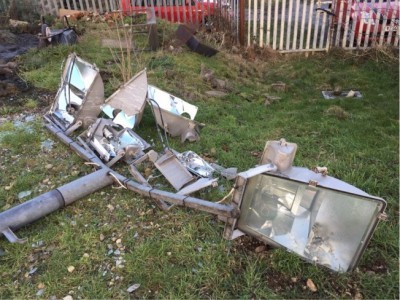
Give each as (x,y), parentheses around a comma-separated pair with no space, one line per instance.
(110,141)
(172,169)
(126,105)
(80,96)
(195,164)
(280,153)
(322,219)
(170,113)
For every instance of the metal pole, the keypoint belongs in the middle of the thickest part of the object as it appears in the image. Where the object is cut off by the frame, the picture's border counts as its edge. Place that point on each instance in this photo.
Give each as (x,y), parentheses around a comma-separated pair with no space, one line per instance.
(51,201)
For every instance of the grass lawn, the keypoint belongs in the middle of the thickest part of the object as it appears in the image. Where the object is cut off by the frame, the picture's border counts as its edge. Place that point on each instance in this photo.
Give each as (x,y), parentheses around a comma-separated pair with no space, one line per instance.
(113,239)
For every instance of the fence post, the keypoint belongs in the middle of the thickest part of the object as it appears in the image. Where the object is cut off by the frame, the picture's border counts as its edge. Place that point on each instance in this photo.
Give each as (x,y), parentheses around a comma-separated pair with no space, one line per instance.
(241,22)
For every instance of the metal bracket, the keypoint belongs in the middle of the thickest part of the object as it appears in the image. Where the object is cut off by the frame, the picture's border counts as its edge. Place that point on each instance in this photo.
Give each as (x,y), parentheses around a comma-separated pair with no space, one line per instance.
(12,238)
(313,183)
(73,127)
(383,216)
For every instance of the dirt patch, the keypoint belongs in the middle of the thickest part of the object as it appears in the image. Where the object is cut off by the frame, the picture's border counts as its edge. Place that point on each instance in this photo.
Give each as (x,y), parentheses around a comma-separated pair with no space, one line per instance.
(11,46)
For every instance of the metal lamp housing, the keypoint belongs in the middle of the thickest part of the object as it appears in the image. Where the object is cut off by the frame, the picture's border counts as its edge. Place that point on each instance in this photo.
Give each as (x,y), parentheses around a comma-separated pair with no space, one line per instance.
(322,219)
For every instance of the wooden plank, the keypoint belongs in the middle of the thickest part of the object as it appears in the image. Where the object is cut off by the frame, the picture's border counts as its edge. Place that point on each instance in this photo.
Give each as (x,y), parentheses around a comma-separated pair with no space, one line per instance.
(190,12)
(74,3)
(323,30)
(385,18)
(367,33)
(87,5)
(296,24)
(396,39)
(178,17)
(289,26)
(310,19)
(255,20)
(268,38)
(316,28)
(303,21)
(100,5)
(81,4)
(261,43)
(107,6)
(249,25)
(94,8)
(275,34)
(56,7)
(43,7)
(282,32)
(347,33)
(171,6)
(68,4)
(184,10)
(359,38)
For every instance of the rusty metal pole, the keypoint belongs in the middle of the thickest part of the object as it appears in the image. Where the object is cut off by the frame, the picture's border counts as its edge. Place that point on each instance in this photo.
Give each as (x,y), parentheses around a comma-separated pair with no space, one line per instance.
(241,21)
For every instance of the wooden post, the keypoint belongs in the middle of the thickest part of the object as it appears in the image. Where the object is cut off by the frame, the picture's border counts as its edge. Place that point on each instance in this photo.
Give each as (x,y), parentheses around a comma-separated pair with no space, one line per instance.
(241,21)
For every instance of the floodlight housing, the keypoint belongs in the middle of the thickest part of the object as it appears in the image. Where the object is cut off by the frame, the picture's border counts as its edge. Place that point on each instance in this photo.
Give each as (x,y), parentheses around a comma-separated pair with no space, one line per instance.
(322,219)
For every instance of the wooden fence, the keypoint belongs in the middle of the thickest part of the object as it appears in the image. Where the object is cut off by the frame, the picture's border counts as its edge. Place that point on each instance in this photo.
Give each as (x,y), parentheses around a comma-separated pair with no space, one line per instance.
(315,25)
(282,25)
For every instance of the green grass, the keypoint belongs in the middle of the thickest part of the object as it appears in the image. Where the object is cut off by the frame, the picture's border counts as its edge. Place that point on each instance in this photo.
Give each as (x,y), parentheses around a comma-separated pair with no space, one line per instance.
(181,253)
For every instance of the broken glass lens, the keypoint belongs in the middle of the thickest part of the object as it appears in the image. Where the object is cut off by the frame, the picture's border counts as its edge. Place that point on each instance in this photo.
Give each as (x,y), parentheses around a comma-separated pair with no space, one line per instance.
(321,225)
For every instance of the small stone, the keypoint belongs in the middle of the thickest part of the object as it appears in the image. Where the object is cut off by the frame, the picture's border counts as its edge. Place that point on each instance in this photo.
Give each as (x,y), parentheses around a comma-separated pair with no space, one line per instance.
(216,94)
(40,292)
(259,249)
(48,166)
(133,288)
(279,86)
(110,207)
(102,237)
(68,297)
(311,285)
(41,285)
(71,269)
(169,253)
(118,242)
(86,255)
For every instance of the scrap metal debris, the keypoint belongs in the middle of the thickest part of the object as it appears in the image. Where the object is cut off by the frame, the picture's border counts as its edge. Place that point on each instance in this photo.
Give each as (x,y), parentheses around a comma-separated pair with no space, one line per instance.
(111,141)
(306,212)
(79,97)
(195,164)
(341,94)
(126,105)
(170,113)
(185,34)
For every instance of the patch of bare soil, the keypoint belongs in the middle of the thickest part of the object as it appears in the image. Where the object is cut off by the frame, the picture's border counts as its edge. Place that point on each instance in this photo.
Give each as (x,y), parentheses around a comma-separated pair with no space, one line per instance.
(14,91)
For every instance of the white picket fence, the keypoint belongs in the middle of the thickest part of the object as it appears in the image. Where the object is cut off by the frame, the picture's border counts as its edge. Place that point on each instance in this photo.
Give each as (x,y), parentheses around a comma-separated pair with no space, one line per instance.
(282,25)
(317,25)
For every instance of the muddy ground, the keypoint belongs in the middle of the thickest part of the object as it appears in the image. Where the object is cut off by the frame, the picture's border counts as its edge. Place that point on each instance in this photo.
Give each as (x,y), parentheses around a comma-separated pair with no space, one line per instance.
(14,91)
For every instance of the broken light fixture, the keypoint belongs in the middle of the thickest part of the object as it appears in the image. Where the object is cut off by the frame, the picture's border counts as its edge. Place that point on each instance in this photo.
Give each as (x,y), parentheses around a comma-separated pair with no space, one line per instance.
(126,105)
(80,96)
(174,115)
(322,219)
(113,142)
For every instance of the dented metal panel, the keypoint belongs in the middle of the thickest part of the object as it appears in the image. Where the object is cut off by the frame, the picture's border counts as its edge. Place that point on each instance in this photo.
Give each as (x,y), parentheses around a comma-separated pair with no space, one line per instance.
(80,95)
(173,170)
(170,113)
(126,105)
